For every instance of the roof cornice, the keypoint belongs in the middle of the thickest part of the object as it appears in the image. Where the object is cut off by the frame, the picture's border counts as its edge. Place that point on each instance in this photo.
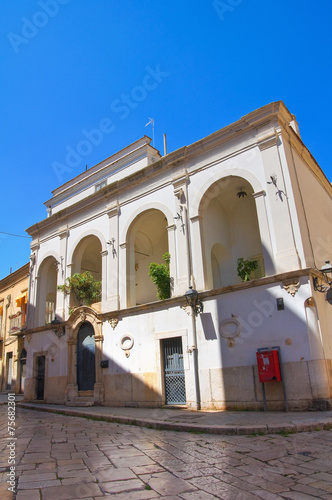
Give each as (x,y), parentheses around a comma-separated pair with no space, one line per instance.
(274,112)
(14,277)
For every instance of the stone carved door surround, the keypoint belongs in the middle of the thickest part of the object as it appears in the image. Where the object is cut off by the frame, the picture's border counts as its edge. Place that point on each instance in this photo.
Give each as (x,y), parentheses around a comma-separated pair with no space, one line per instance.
(78,317)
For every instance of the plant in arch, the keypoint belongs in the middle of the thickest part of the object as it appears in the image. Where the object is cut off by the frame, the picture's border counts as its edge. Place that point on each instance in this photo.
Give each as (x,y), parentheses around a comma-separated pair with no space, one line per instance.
(84,287)
(245,268)
(160,275)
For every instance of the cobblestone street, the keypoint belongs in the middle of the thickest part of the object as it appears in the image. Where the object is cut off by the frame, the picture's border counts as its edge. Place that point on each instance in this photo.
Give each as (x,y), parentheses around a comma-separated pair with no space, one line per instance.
(63,458)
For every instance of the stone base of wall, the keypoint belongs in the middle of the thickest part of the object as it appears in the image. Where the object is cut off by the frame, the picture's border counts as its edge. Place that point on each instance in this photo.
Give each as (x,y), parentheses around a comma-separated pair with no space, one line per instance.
(54,390)
(307,385)
(138,389)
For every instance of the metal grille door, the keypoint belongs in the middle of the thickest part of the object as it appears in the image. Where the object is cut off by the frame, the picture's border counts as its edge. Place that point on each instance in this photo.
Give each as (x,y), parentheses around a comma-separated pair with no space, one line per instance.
(174,373)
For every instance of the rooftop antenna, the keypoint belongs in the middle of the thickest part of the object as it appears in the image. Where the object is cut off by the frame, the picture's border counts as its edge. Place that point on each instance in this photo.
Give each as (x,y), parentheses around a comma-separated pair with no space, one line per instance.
(151,120)
(165,145)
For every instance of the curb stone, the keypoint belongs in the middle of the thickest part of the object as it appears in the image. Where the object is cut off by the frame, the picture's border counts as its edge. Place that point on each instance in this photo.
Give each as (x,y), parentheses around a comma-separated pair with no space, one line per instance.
(186,427)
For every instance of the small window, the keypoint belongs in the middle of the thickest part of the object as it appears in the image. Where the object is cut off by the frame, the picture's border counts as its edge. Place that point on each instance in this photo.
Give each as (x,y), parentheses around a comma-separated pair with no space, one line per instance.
(100,185)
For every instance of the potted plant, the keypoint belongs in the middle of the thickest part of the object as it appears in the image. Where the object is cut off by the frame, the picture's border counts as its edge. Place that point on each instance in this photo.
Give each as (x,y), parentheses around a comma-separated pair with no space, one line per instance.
(160,275)
(245,268)
(84,287)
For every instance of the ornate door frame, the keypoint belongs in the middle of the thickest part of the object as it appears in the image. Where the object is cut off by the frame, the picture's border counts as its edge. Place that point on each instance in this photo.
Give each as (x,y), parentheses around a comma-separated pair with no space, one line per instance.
(79,316)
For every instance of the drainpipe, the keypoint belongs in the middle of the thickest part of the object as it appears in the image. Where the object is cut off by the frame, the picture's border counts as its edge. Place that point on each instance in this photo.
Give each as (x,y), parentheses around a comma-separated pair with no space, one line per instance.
(193,349)
(194,352)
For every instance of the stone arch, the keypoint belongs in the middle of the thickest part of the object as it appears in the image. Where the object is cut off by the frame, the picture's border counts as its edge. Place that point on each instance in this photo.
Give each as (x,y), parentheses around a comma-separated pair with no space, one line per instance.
(47,281)
(230,230)
(219,177)
(89,232)
(143,208)
(80,259)
(147,241)
(55,256)
(87,257)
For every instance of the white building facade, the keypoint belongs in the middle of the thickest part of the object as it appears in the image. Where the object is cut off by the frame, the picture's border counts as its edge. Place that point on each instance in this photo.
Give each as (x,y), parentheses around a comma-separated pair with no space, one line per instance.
(251,190)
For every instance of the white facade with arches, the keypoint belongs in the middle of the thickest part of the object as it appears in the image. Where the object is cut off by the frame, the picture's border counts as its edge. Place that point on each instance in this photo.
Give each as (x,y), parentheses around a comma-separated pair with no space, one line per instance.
(251,190)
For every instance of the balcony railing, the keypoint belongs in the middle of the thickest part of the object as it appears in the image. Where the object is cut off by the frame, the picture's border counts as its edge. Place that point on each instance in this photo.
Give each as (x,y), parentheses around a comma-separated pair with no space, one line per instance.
(16,322)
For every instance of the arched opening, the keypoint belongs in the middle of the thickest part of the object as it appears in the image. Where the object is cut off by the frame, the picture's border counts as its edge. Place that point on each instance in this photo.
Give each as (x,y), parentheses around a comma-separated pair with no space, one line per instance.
(230,231)
(47,290)
(87,258)
(148,241)
(86,367)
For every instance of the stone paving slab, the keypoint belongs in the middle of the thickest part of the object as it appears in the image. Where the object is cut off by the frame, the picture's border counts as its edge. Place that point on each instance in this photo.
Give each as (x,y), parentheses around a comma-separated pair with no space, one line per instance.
(212,422)
(126,462)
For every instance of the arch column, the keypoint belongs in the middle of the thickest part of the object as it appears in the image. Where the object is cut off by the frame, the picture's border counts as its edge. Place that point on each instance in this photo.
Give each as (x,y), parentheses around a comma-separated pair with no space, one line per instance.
(124,278)
(281,218)
(71,387)
(197,251)
(104,275)
(113,259)
(98,389)
(182,250)
(264,231)
(172,251)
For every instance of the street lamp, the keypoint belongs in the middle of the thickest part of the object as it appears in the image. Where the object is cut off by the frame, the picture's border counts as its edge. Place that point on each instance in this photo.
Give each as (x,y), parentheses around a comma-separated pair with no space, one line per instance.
(325,270)
(57,328)
(196,306)
(193,301)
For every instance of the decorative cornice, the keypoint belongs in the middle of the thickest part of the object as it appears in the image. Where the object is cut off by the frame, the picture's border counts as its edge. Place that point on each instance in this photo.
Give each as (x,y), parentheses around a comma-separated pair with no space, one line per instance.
(179,183)
(268,142)
(113,211)
(63,233)
(35,246)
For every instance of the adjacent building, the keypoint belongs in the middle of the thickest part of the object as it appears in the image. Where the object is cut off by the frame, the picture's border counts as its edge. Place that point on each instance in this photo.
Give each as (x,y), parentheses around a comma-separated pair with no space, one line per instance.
(249,191)
(13,307)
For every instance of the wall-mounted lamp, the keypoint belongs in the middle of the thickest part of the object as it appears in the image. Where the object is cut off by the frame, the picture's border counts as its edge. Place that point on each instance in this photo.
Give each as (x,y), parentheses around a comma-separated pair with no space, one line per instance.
(57,327)
(112,242)
(325,270)
(241,194)
(193,301)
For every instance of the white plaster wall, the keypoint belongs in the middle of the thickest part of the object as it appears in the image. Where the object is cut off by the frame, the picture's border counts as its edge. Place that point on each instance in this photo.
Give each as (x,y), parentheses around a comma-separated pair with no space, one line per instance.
(42,342)
(261,326)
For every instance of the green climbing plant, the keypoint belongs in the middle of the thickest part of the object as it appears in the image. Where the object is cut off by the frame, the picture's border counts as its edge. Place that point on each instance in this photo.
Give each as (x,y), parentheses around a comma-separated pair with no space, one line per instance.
(84,288)
(245,268)
(160,275)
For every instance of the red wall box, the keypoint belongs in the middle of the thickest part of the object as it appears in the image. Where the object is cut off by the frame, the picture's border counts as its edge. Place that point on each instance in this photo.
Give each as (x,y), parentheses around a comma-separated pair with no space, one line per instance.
(268,366)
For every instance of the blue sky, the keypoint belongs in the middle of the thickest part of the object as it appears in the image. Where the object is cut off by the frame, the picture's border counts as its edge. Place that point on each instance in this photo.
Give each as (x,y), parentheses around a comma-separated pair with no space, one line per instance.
(69,67)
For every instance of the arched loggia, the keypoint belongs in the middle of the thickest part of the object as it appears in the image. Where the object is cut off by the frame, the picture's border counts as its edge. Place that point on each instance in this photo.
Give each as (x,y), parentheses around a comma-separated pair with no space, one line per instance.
(230,231)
